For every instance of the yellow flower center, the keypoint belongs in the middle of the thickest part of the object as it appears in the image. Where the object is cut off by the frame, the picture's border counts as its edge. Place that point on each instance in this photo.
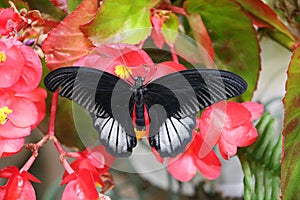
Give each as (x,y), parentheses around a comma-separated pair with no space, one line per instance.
(2,57)
(123,71)
(139,133)
(3,114)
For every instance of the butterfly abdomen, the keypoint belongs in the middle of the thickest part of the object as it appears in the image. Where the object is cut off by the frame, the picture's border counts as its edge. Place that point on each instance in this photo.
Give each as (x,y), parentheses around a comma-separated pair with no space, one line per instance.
(139,109)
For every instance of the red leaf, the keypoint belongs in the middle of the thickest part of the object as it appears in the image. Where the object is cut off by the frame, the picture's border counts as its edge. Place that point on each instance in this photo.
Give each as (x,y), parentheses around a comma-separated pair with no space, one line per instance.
(201,35)
(66,43)
(262,15)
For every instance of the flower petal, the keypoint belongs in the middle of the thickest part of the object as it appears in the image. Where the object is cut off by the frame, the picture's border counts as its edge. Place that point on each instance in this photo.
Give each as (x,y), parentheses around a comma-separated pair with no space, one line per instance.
(226,148)
(236,114)
(156,34)
(24,112)
(10,131)
(209,166)
(27,191)
(211,124)
(249,138)
(9,74)
(81,188)
(242,135)
(182,167)
(166,68)
(31,73)
(256,109)
(10,146)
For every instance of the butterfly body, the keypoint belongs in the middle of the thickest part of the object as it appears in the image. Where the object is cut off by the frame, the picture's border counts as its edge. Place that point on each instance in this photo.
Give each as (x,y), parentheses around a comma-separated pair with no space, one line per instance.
(138,95)
(167,106)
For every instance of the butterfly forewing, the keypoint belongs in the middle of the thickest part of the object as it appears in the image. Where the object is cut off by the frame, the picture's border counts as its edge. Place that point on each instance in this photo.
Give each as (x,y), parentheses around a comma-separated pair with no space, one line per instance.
(105,97)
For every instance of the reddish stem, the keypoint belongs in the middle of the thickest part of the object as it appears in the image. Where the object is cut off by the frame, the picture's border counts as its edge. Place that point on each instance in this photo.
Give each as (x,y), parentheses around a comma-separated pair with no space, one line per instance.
(46,138)
(53,114)
(35,152)
(178,10)
(62,153)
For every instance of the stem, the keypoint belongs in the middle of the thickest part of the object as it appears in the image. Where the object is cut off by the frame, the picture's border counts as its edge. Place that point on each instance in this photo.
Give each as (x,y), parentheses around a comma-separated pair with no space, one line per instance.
(50,136)
(35,152)
(62,156)
(178,10)
(53,114)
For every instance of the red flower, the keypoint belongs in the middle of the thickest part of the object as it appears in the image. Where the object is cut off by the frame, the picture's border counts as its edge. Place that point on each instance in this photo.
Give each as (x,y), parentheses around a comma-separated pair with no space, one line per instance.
(19,113)
(27,68)
(230,124)
(124,60)
(90,169)
(18,185)
(10,21)
(185,166)
(157,19)
(80,185)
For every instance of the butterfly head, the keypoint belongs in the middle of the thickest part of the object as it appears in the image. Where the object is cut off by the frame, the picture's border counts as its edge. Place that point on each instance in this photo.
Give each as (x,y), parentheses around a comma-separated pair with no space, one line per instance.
(138,81)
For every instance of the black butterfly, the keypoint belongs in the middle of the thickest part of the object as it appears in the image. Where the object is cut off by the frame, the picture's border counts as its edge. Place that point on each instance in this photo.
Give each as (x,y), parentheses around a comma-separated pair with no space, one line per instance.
(172,103)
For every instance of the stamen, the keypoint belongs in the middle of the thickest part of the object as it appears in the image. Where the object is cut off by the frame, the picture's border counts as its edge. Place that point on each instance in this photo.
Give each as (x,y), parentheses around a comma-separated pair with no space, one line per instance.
(123,71)
(4,112)
(2,57)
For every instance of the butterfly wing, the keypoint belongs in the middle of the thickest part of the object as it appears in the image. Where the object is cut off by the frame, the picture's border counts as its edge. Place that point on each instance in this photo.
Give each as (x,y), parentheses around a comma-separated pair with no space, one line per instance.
(106,97)
(174,100)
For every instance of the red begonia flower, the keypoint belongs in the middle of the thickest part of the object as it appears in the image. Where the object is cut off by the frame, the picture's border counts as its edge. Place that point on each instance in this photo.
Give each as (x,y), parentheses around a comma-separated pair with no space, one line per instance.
(185,166)
(80,185)
(18,185)
(235,130)
(109,57)
(10,22)
(27,71)
(115,58)
(157,20)
(37,96)
(19,113)
(88,168)
(9,147)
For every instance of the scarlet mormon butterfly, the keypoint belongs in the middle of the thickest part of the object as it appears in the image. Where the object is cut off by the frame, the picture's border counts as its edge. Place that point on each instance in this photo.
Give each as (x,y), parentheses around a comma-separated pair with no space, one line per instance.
(172,103)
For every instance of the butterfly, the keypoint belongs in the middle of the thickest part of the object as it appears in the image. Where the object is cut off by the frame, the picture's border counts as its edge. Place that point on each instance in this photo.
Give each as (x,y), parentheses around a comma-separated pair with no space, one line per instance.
(118,108)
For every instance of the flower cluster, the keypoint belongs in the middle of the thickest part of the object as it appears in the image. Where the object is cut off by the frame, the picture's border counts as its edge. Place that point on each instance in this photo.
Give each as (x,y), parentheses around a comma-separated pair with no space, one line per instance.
(18,185)
(90,170)
(22,102)
(227,124)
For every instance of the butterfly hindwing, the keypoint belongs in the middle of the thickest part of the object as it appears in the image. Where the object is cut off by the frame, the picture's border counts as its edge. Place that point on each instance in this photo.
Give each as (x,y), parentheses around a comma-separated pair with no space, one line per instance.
(173,136)
(113,134)
(181,96)
(106,97)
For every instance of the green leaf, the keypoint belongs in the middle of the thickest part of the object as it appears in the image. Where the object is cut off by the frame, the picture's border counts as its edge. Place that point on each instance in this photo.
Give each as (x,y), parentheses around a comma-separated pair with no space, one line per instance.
(170,29)
(127,22)
(124,21)
(290,174)
(73,4)
(233,37)
(261,163)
